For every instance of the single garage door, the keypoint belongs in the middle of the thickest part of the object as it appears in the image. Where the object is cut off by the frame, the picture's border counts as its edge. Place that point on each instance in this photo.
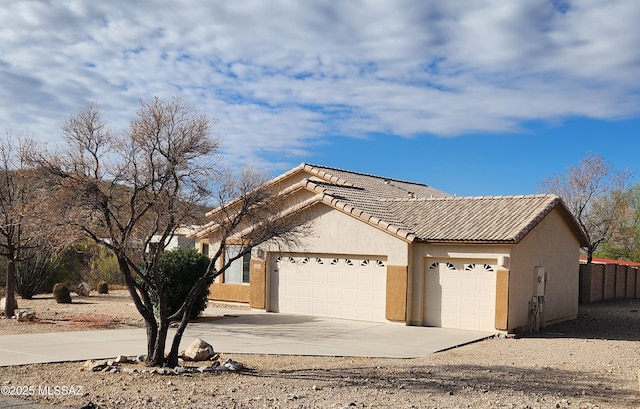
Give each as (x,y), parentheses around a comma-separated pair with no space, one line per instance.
(329,286)
(460,294)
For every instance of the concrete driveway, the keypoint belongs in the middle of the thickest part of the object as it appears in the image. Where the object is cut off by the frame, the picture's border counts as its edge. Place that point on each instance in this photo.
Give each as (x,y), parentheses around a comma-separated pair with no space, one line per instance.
(272,333)
(246,332)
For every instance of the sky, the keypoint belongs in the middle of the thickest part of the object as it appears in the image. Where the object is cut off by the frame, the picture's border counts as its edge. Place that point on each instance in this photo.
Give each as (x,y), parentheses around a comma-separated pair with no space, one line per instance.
(473,97)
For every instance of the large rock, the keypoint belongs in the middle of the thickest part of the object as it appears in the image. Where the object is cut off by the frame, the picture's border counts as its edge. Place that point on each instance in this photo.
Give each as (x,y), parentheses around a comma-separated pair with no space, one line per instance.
(199,350)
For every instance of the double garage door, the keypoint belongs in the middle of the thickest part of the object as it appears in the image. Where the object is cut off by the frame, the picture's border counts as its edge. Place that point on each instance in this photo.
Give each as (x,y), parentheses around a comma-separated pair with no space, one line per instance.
(329,286)
(460,294)
(457,293)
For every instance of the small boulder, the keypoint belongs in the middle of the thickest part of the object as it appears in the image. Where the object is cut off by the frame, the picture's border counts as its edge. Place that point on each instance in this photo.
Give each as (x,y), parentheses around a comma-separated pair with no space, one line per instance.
(199,350)
(95,366)
(83,289)
(232,365)
(25,315)
(122,359)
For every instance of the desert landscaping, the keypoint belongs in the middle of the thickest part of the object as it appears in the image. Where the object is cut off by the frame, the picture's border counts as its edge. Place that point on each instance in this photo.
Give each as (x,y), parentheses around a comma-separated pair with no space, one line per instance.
(592,362)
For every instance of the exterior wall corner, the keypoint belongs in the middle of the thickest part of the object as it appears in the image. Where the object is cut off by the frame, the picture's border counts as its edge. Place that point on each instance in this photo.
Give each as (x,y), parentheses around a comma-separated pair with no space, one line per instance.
(257,283)
(396,298)
(502,299)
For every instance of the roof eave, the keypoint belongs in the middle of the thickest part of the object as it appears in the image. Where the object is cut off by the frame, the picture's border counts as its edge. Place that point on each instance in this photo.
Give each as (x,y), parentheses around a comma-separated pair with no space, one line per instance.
(467,241)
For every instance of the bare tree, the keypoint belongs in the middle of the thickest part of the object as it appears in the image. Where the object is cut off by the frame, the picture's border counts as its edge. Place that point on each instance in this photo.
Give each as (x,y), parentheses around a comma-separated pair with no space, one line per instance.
(624,243)
(596,195)
(121,189)
(21,233)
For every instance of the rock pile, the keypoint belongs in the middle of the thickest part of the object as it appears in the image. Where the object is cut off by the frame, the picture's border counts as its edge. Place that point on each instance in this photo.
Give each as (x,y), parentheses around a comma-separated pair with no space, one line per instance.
(199,350)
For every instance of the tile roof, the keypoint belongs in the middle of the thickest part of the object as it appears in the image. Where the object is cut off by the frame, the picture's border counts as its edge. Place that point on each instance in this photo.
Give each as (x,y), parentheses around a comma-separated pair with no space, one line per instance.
(485,219)
(375,186)
(417,212)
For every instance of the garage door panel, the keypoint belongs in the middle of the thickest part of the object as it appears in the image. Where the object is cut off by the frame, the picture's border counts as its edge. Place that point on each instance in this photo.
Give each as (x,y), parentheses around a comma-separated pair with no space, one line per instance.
(347,279)
(487,286)
(450,301)
(305,292)
(459,294)
(305,307)
(320,277)
(333,310)
(319,293)
(333,294)
(364,279)
(336,287)
(319,309)
(451,284)
(469,305)
(469,285)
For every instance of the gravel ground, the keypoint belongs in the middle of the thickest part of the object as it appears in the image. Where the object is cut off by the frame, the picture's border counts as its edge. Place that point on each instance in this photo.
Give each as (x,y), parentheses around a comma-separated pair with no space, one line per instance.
(592,362)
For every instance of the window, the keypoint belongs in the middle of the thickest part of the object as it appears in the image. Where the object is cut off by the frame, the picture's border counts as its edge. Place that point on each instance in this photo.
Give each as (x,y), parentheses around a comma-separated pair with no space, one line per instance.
(238,271)
(205,249)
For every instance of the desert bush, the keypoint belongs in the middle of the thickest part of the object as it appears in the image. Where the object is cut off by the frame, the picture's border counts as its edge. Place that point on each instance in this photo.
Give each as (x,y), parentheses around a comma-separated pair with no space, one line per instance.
(104,267)
(61,293)
(179,271)
(34,272)
(102,287)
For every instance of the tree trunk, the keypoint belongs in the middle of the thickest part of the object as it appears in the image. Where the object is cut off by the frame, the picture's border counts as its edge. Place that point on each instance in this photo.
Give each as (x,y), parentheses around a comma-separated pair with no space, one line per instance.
(10,303)
(172,359)
(152,336)
(156,358)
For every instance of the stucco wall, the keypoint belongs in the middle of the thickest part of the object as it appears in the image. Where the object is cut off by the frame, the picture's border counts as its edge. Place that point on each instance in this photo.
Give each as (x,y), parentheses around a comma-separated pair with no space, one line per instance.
(552,245)
(334,232)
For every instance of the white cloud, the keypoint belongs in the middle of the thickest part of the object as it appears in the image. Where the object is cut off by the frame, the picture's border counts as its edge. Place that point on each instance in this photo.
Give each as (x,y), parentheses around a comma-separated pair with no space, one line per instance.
(281,75)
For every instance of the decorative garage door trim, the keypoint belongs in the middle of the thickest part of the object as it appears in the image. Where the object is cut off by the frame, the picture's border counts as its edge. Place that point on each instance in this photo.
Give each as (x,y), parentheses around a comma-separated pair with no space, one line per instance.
(329,286)
(460,294)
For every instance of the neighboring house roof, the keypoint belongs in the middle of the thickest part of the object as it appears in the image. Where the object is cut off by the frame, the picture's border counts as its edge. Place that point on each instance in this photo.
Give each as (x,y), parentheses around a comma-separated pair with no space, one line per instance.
(418,212)
(596,260)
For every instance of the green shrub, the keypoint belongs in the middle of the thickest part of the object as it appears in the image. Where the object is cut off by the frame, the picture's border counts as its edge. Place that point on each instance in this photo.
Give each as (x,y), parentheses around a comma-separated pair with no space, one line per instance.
(61,293)
(179,270)
(103,287)
(35,271)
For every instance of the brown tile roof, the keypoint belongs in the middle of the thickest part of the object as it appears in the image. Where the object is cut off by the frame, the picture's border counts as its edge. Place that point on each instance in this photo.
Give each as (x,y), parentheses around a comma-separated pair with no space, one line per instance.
(417,212)
(483,219)
(375,186)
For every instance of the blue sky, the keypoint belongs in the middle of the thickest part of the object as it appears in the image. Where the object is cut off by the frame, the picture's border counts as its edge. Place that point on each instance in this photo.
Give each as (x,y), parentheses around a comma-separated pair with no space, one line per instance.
(478,97)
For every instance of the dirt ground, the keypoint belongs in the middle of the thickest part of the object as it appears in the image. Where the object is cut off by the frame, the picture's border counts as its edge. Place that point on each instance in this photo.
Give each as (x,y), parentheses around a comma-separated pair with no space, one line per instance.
(591,362)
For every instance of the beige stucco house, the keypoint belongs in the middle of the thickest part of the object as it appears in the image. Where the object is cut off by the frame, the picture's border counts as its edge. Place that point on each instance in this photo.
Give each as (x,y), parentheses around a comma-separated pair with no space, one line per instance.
(390,250)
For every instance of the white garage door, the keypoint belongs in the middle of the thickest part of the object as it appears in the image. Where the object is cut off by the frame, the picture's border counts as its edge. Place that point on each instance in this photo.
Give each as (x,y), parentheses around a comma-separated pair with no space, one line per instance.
(328,286)
(460,294)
